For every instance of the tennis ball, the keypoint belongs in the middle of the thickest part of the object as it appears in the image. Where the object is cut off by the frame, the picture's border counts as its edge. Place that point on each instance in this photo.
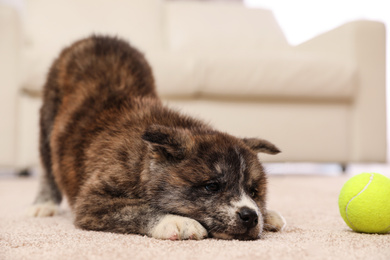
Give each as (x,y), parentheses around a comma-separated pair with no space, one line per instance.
(364,203)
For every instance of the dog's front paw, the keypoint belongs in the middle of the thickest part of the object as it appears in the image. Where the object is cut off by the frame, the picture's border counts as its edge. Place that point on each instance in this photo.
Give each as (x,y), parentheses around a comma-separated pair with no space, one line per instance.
(46,209)
(274,221)
(178,228)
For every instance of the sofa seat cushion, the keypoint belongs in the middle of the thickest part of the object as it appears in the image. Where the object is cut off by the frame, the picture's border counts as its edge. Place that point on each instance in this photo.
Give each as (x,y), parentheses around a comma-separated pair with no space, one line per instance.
(176,75)
(244,76)
(278,75)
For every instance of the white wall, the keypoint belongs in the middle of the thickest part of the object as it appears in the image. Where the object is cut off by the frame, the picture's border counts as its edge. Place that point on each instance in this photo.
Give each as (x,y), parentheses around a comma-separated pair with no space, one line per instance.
(19,4)
(303,19)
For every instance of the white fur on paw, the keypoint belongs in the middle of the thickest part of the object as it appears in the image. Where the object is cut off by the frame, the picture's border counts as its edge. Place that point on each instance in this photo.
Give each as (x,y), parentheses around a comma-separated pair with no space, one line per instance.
(46,209)
(274,221)
(178,228)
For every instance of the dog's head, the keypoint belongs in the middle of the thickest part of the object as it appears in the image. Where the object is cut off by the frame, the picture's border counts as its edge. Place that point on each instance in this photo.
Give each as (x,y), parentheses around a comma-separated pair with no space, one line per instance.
(211,177)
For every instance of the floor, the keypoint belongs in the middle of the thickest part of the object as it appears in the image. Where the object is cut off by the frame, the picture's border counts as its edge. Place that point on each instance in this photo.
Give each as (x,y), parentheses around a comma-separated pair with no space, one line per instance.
(314,230)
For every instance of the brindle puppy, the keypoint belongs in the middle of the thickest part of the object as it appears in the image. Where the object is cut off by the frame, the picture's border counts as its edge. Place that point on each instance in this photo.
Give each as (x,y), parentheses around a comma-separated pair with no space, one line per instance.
(128,164)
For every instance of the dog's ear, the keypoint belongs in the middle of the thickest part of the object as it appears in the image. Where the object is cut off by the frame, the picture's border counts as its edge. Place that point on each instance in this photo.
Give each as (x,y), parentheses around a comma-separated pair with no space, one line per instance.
(168,143)
(261,146)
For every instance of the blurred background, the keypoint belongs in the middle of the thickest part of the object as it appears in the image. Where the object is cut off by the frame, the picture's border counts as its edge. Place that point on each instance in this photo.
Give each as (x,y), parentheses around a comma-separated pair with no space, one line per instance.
(302,20)
(309,76)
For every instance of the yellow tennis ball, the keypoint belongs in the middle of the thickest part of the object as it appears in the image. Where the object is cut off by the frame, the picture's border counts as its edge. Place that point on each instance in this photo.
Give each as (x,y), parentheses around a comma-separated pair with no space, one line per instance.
(364,203)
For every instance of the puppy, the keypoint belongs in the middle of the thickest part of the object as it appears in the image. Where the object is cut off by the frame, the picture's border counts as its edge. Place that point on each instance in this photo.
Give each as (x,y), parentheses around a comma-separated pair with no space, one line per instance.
(128,164)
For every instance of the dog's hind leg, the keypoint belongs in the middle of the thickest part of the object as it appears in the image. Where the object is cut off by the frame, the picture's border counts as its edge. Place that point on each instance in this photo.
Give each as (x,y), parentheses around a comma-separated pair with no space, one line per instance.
(49,196)
(48,199)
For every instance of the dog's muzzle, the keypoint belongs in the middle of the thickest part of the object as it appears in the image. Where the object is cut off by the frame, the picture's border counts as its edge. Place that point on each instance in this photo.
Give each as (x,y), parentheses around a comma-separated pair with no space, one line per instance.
(248,217)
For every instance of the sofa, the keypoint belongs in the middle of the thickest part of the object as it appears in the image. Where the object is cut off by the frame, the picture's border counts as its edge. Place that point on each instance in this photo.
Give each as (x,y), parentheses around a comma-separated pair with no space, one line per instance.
(321,101)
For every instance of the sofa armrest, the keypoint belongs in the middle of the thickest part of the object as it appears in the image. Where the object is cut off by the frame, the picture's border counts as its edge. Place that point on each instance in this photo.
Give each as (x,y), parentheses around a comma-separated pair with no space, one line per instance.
(364,44)
(347,41)
(10,31)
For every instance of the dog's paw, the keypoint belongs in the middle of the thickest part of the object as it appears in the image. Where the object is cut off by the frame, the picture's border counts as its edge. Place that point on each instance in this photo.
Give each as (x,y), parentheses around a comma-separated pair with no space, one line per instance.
(46,209)
(274,221)
(178,228)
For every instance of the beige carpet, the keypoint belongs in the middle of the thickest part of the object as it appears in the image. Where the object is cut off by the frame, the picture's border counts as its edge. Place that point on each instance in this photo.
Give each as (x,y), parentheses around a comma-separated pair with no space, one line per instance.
(315,230)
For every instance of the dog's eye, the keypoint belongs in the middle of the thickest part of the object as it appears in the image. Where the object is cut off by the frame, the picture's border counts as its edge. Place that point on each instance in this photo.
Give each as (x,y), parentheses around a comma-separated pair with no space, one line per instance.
(253,193)
(214,187)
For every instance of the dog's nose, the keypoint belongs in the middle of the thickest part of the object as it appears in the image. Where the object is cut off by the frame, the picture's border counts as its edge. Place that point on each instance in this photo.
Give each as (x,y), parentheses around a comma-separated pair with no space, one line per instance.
(248,217)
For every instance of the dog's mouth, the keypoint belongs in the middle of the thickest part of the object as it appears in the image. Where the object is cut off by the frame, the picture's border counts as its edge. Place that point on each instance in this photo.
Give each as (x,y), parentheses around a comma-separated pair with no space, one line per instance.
(237,233)
(248,235)
(219,229)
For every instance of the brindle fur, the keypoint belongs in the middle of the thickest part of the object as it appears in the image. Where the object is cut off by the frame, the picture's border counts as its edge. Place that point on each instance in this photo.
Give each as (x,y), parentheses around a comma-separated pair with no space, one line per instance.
(124,161)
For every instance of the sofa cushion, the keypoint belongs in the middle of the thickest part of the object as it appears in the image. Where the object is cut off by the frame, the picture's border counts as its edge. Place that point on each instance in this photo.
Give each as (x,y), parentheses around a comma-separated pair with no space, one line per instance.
(176,75)
(52,25)
(283,75)
(198,26)
(247,76)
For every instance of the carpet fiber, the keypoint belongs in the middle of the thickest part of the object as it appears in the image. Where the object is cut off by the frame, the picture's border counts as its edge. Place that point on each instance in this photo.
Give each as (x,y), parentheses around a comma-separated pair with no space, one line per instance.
(315,230)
